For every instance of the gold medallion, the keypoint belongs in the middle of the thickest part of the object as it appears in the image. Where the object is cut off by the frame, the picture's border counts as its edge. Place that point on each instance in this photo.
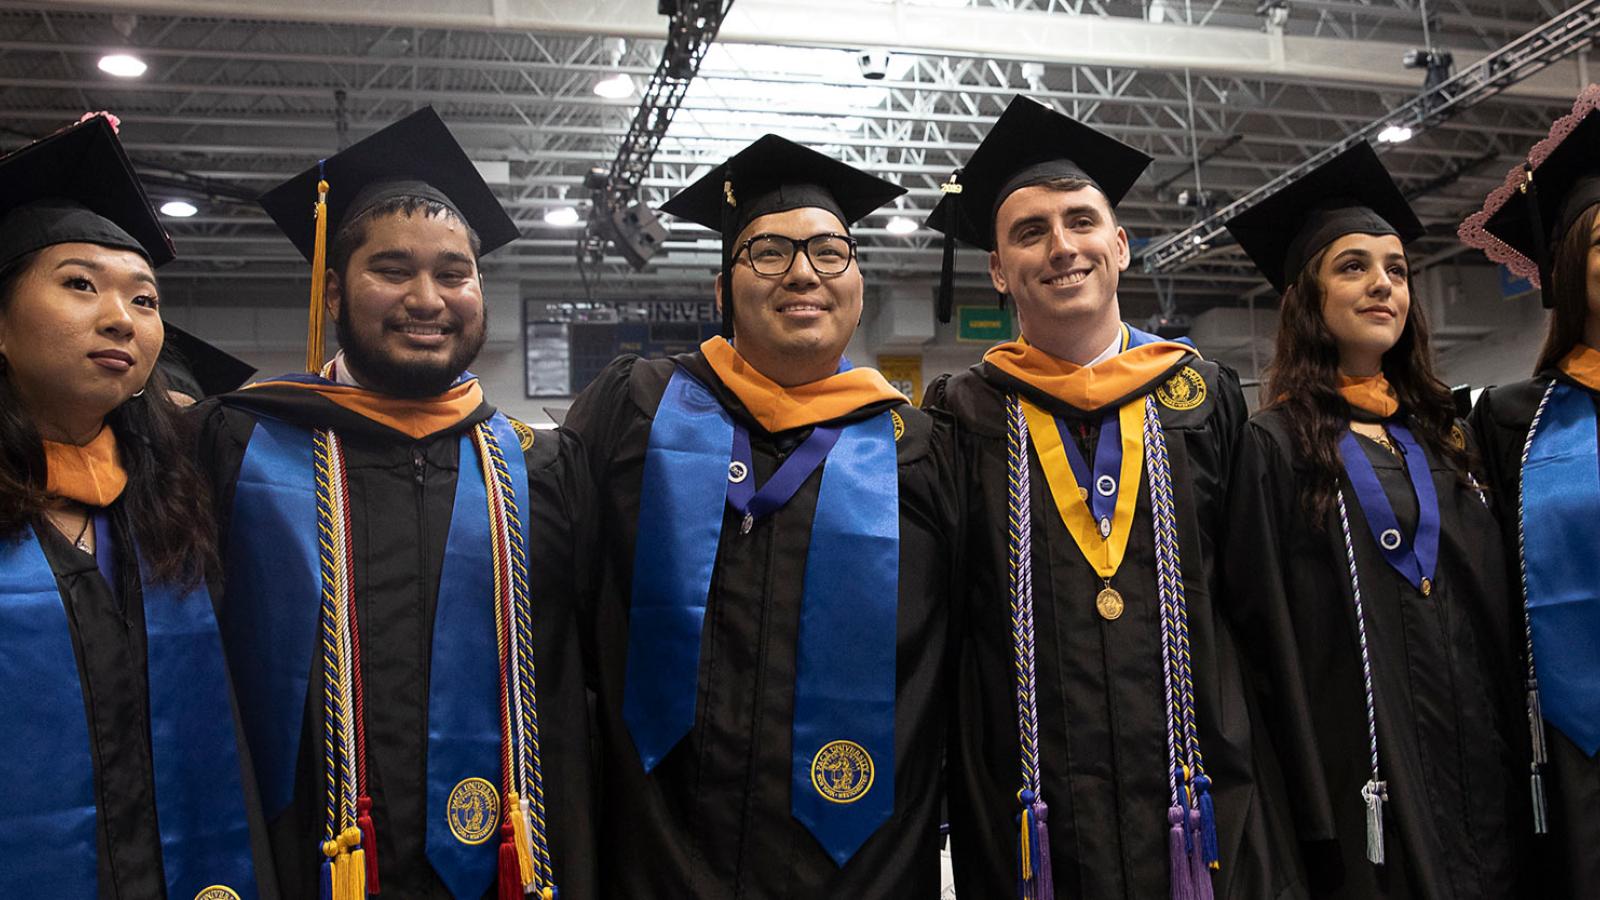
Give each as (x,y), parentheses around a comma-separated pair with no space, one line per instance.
(1109,604)
(1427,587)
(899,425)
(217,892)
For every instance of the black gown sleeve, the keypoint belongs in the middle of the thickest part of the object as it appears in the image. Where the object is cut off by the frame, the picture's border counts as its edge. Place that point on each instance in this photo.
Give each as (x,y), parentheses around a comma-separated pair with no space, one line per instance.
(1262,505)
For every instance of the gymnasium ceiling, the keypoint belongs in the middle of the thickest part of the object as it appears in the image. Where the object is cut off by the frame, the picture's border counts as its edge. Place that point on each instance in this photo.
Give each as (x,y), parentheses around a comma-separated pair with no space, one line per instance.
(240,95)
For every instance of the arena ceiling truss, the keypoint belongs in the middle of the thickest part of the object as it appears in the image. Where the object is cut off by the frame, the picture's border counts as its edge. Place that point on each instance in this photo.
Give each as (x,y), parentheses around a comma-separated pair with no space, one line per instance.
(1226,94)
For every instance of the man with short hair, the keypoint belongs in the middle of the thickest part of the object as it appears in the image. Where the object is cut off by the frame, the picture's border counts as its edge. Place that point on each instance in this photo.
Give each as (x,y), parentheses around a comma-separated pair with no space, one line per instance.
(771,617)
(1104,737)
(399,613)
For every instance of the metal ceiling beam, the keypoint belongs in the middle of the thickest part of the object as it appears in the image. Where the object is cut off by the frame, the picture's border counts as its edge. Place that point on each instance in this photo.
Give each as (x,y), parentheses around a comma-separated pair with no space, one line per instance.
(968,32)
(1534,52)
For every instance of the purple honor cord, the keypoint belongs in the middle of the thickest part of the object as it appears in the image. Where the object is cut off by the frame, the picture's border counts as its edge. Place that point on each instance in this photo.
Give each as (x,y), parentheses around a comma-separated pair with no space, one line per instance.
(753,504)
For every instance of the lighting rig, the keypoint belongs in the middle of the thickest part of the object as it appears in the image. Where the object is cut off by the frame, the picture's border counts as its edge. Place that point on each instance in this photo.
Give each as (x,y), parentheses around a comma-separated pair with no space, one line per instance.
(1565,34)
(620,216)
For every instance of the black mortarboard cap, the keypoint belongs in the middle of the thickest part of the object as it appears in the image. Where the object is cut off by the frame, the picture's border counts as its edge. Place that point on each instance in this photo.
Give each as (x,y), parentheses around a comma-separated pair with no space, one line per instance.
(1349,194)
(775,175)
(1029,144)
(414,157)
(1533,212)
(199,369)
(77,186)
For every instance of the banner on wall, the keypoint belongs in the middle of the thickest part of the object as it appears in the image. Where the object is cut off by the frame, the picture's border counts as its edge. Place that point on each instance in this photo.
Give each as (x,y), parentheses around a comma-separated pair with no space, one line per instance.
(983,324)
(905,373)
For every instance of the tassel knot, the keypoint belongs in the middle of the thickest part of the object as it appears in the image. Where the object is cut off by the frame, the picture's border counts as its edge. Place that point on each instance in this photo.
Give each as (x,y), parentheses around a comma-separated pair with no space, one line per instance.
(1375,793)
(510,880)
(1178,855)
(369,841)
(1208,821)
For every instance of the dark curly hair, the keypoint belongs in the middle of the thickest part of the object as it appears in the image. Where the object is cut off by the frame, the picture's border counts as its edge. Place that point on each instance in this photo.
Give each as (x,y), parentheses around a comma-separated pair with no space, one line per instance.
(1303,381)
(167,501)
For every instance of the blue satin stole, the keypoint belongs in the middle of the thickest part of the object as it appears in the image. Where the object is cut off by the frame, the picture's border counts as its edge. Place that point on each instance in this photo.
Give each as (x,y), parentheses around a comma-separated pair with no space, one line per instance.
(842,779)
(1415,558)
(271,623)
(1560,499)
(48,808)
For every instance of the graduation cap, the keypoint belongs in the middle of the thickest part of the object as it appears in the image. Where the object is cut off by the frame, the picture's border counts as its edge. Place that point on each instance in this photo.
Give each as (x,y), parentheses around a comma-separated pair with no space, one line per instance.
(77,186)
(774,175)
(198,368)
(1523,221)
(1029,144)
(1349,194)
(416,157)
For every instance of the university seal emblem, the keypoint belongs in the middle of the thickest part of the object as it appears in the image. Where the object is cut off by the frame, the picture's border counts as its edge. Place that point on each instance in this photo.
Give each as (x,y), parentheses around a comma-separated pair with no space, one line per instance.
(473,810)
(524,434)
(1184,390)
(217,892)
(842,771)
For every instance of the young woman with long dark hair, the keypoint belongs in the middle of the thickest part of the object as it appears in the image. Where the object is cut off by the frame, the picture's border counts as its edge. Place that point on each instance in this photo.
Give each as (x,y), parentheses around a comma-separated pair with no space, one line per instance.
(126,775)
(1356,568)
(1539,440)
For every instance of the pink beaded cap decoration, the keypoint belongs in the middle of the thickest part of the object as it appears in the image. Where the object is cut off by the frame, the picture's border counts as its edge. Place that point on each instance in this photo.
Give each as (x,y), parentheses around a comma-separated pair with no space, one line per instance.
(1474,231)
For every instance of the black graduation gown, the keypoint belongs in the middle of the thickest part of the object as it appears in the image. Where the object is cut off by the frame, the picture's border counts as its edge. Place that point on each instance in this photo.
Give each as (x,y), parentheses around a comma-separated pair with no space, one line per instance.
(1102,715)
(1566,862)
(1439,670)
(401,496)
(108,638)
(713,821)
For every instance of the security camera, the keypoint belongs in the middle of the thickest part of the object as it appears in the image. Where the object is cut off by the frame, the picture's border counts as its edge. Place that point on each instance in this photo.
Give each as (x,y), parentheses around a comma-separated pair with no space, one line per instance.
(874,64)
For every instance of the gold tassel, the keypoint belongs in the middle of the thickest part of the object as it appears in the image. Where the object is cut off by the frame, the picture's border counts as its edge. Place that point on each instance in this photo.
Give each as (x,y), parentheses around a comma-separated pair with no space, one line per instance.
(519,836)
(349,868)
(319,273)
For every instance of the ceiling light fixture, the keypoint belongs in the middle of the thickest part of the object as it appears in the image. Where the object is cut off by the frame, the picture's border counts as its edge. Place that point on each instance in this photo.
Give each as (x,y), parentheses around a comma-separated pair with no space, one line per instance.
(179,209)
(615,87)
(561,216)
(1395,134)
(122,65)
(901,225)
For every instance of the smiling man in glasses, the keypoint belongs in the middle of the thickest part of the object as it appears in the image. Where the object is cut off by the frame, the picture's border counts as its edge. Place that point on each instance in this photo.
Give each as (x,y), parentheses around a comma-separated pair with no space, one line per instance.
(771,619)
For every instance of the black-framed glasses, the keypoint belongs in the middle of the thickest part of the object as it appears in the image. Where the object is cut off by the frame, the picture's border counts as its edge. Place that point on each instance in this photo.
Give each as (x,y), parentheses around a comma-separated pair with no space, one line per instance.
(773,254)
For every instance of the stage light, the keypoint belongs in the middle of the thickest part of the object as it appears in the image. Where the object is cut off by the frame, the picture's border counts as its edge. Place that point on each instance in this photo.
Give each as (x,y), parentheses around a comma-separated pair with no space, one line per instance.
(179,209)
(616,87)
(561,216)
(122,65)
(901,225)
(1395,134)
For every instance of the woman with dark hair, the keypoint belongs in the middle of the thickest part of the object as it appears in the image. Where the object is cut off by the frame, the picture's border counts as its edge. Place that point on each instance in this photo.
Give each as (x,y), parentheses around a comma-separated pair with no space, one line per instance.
(126,777)
(1376,623)
(1539,441)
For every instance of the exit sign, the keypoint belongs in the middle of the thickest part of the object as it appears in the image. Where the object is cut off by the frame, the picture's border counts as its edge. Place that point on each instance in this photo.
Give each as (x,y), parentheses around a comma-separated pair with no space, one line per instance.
(983,324)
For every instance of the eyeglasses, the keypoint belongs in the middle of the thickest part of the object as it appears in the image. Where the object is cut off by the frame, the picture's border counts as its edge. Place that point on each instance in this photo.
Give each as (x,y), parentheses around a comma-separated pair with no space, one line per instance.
(773,254)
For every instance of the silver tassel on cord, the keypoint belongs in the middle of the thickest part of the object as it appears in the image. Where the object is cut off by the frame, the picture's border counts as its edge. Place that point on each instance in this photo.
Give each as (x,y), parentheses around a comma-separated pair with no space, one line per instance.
(1536,780)
(1375,793)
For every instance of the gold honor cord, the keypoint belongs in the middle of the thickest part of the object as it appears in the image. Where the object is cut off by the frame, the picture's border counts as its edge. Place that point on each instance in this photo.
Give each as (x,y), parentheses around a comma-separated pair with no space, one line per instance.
(1103,553)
